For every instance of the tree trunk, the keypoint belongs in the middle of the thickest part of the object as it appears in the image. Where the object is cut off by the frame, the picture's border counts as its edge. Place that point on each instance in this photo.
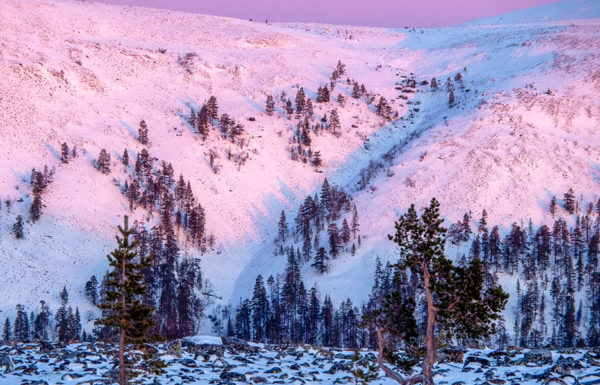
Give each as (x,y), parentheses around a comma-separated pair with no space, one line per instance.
(416,379)
(122,357)
(388,371)
(430,348)
(122,380)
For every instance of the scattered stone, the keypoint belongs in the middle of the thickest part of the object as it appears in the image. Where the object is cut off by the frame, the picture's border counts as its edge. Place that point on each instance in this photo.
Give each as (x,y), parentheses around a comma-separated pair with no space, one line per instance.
(187,362)
(6,362)
(233,376)
(339,366)
(174,348)
(451,355)
(537,357)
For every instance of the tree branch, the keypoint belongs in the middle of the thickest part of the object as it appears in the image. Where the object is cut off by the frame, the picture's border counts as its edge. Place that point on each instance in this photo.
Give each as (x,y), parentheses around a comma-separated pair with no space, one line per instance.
(415,379)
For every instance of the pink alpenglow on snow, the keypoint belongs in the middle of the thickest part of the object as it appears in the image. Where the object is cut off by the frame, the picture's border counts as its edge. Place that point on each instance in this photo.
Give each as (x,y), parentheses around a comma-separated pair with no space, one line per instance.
(379,13)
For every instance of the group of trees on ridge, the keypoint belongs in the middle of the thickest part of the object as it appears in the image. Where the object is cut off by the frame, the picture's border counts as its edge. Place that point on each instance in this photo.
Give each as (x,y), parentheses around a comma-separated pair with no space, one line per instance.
(302,109)
(317,213)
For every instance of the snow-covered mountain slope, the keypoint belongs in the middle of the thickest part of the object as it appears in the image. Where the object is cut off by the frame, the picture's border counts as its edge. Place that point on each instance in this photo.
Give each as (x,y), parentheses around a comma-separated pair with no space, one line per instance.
(524,128)
(562,11)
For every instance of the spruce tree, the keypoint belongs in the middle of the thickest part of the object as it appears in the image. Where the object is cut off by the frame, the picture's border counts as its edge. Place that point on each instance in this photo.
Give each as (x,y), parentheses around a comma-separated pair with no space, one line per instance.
(64,153)
(320,263)
(356,91)
(334,239)
(345,234)
(300,100)
(270,105)
(91,290)
(355,226)
(212,108)
(42,323)
(17,227)
(125,158)
(455,297)
(334,123)
(125,287)
(21,325)
(63,325)
(35,210)
(6,332)
(317,161)
(260,310)
(569,199)
(143,133)
(103,162)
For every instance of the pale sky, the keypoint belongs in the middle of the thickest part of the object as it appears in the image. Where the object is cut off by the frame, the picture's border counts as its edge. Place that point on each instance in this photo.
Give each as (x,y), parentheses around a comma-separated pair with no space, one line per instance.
(382,13)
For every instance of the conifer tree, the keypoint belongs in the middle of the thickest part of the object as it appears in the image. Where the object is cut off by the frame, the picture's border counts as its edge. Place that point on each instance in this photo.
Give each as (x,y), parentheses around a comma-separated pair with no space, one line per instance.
(345,234)
(455,296)
(212,108)
(202,121)
(64,153)
(355,226)
(260,310)
(270,105)
(63,325)
(300,100)
(334,239)
(553,206)
(451,98)
(125,158)
(317,161)
(334,123)
(570,201)
(35,210)
(6,332)
(103,162)
(21,325)
(91,290)
(320,263)
(17,227)
(356,91)
(309,109)
(122,299)
(288,107)
(42,323)
(143,133)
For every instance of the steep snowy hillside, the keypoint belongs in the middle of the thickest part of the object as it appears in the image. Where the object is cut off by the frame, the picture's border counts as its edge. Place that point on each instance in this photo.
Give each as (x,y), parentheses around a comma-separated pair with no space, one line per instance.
(86,74)
(522,128)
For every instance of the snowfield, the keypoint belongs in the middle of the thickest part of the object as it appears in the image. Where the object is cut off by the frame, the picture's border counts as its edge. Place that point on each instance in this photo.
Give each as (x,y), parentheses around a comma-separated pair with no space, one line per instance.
(523,128)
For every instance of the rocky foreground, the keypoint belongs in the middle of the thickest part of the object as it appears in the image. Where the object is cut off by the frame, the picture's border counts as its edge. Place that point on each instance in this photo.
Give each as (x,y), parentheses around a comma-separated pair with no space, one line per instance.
(229,361)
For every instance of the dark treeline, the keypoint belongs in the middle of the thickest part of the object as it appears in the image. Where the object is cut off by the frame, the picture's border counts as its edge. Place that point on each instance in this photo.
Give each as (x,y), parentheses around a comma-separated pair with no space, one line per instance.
(282,310)
(64,326)
(555,269)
